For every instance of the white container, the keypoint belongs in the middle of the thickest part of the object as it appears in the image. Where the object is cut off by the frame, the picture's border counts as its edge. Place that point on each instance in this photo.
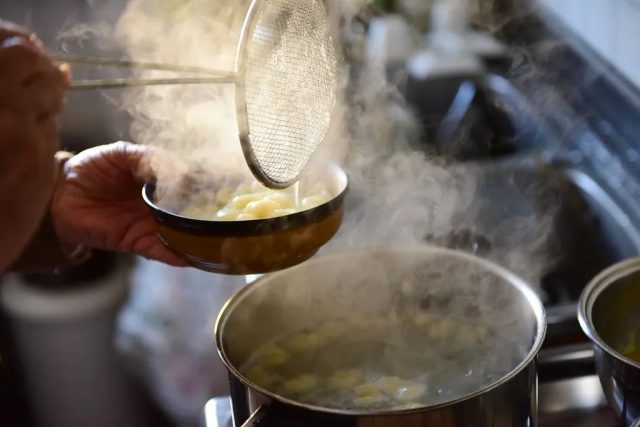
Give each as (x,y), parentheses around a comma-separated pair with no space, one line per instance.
(65,340)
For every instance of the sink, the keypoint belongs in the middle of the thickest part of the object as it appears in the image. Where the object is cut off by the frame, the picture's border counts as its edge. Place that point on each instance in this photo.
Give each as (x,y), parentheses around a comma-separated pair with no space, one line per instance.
(521,204)
(593,233)
(532,200)
(585,229)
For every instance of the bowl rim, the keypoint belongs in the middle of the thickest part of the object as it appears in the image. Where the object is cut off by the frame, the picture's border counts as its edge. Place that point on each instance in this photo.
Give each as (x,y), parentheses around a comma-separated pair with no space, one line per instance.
(254,227)
(589,297)
(534,301)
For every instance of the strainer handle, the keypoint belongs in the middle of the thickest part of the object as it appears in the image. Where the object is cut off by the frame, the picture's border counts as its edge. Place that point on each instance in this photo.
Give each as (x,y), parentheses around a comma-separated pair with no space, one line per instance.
(216,76)
(106,62)
(125,83)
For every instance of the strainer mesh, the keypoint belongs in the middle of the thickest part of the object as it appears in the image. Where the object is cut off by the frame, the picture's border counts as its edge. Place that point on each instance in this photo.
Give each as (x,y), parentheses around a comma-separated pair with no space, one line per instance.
(290,85)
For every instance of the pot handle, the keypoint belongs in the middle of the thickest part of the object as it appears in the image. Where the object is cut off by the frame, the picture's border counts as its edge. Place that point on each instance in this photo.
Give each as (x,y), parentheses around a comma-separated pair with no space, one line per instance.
(259,418)
(278,416)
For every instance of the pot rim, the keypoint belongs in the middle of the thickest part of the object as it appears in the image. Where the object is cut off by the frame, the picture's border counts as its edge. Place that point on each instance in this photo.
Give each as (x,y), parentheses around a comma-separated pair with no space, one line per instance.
(526,290)
(589,297)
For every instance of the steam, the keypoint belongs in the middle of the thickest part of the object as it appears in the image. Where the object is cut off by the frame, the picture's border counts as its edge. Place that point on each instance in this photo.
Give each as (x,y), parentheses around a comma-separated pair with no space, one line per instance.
(400,195)
(196,123)
(392,331)
(403,197)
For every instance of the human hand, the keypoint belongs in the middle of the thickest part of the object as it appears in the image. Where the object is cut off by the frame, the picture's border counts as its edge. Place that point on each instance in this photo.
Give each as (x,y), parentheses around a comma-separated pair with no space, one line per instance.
(99,203)
(31,95)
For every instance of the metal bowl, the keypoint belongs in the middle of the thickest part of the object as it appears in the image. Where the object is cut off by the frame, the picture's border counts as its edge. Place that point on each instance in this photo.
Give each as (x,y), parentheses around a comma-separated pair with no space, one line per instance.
(609,313)
(256,246)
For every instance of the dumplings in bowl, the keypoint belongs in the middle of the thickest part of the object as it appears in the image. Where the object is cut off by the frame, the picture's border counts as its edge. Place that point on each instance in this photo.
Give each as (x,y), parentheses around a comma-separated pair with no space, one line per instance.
(249,229)
(252,201)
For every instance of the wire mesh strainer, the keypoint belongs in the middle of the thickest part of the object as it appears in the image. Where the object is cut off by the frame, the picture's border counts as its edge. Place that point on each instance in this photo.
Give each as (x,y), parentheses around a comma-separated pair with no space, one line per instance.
(285,80)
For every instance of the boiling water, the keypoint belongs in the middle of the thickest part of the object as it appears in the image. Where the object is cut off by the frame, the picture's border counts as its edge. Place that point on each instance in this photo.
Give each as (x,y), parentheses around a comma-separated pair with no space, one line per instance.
(364,363)
(632,348)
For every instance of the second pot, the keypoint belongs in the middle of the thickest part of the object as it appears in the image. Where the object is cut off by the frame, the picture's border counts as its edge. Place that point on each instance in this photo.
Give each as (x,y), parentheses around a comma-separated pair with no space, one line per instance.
(609,314)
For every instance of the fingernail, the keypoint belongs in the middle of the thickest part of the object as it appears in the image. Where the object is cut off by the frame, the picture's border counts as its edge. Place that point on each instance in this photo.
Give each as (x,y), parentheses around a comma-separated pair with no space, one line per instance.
(13,41)
(65,69)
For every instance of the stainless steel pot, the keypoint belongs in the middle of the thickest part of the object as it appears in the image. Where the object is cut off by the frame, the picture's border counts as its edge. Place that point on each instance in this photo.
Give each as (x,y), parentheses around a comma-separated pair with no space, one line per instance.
(325,288)
(609,313)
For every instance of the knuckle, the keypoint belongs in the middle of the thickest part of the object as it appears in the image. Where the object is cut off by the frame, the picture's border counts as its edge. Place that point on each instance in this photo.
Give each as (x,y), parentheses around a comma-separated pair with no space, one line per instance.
(119,147)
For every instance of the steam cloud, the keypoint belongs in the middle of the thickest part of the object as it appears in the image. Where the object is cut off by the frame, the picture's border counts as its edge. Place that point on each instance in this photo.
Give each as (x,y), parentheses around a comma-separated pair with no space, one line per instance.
(399,195)
(195,122)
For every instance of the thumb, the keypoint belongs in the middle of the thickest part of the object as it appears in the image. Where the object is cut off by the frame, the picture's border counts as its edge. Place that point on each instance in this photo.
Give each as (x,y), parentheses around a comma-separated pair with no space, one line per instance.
(133,157)
(163,166)
(144,163)
(151,164)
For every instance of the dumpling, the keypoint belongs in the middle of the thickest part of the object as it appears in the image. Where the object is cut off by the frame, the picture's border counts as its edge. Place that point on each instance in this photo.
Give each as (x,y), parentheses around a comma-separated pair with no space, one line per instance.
(262,208)
(273,355)
(301,384)
(346,379)
(410,391)
(367,395)
(304,342)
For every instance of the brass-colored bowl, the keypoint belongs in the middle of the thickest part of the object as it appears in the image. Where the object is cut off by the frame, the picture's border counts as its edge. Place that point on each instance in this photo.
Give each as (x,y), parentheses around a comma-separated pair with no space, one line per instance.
(255,246)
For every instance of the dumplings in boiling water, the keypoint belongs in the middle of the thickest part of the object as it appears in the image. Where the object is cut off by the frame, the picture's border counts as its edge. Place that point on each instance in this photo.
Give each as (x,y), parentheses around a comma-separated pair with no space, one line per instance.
(346,379)
(363,361)
(301,384)
(273,356)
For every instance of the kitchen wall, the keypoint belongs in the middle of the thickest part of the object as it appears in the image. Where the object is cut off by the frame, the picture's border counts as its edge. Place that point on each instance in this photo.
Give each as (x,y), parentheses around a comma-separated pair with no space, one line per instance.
(610,27)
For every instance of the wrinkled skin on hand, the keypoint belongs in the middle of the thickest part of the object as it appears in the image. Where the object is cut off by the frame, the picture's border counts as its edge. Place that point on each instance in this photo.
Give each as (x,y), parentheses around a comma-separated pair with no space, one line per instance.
(98,203)
(32,92)
(97,200)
